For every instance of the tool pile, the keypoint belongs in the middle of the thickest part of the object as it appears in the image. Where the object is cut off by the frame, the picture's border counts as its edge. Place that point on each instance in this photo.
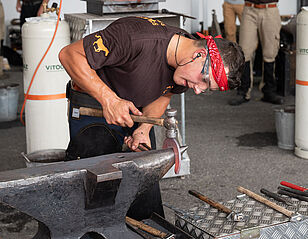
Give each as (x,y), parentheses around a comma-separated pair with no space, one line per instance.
(280,215)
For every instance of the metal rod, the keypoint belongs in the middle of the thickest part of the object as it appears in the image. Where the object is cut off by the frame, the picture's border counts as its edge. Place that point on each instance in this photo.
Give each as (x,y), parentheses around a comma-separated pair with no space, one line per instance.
(183,131)
(275,196)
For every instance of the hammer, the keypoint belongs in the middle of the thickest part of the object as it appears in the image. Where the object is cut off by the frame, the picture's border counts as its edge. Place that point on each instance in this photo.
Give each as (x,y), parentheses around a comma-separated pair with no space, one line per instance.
(170,123)
(294,217)
(231,215)
(136,118)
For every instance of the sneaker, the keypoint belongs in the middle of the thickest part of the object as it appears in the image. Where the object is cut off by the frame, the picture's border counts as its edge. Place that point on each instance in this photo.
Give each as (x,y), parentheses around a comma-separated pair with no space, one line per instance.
(273,99)
(238,100)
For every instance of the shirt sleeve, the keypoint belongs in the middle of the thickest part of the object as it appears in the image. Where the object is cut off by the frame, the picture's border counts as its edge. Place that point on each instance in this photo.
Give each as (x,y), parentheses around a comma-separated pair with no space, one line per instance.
(108,47)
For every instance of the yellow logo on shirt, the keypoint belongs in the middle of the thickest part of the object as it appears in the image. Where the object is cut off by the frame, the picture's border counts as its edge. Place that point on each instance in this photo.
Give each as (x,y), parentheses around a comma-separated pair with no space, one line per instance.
(100,45)
(154,22)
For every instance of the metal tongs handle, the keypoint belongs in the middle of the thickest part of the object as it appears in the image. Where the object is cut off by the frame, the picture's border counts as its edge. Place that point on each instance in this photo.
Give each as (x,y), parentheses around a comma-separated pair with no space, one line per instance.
(291,185)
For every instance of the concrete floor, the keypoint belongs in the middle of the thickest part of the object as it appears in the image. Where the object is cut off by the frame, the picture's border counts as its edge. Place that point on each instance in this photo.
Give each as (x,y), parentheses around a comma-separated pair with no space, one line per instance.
(229,146)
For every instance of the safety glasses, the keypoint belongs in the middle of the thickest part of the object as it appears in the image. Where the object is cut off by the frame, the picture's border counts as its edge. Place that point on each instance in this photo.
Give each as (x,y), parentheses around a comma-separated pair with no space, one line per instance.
(206,75)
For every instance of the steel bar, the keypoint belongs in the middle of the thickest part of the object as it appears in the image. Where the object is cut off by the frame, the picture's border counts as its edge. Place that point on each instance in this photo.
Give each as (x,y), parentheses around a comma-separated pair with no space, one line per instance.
(295,191)
(293,195)
(275,196)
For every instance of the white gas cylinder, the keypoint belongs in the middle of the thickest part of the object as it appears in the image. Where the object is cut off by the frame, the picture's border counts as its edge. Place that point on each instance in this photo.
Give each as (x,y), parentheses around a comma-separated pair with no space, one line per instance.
(46,107)
(301,96)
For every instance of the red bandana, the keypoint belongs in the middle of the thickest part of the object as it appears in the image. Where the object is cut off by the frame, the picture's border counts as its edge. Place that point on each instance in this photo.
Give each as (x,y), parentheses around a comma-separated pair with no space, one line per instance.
(217,64)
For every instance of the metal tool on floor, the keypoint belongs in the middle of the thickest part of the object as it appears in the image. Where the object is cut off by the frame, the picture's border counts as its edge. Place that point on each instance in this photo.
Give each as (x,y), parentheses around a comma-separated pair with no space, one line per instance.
(294,186)
(276,196)
(291,190)
(231,215)
(63,195)
(293,193)
(170,123)
(294,217)
(151,230)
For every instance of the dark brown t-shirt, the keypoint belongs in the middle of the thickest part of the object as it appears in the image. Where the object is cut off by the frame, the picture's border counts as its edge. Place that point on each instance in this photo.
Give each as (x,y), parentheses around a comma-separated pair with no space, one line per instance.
(130,57)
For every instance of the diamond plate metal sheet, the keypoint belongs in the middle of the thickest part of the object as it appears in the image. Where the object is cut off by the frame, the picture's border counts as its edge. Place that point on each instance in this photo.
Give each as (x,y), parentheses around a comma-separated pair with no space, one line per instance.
(263,222)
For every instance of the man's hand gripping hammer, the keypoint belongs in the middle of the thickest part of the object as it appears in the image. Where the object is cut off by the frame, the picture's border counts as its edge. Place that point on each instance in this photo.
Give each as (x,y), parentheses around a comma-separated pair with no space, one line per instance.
(170,123)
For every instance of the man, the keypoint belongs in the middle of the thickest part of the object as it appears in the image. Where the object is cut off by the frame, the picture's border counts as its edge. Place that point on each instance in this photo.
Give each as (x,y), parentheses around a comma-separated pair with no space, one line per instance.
(260,17)
(134,66)
(29,8)
(231,10)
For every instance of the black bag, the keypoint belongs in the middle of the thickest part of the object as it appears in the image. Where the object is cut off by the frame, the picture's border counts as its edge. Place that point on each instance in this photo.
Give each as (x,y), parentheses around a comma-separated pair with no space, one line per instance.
(13,57)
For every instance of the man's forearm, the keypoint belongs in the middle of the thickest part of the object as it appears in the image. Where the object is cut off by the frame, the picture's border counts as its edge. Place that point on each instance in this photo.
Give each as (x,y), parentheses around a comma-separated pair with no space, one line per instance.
(75,63)
(155,109)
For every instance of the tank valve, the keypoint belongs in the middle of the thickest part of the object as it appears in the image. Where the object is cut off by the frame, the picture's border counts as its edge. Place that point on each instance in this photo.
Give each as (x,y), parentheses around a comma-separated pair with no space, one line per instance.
(54,7)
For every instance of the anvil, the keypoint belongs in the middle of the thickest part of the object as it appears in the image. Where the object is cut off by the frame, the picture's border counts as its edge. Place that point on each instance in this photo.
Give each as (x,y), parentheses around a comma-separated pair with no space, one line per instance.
(88,195)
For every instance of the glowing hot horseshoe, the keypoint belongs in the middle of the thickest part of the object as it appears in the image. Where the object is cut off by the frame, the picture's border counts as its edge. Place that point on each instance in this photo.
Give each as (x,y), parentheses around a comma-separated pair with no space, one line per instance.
(172,143)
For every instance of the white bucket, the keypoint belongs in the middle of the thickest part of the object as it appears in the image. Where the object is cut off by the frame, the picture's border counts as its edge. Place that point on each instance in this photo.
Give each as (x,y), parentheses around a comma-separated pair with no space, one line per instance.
(9,95)
(285,127)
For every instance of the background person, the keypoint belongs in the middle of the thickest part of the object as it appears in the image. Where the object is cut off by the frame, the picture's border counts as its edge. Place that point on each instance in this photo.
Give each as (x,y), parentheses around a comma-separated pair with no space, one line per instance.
(29,8)
(260,18)
(231,10)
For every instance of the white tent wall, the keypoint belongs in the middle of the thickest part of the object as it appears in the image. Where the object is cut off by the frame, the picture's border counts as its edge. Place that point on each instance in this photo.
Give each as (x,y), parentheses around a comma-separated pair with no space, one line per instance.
(202,9)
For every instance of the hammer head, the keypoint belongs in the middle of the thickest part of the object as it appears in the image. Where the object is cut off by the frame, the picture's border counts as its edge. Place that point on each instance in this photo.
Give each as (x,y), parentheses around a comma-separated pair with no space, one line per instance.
(170,123)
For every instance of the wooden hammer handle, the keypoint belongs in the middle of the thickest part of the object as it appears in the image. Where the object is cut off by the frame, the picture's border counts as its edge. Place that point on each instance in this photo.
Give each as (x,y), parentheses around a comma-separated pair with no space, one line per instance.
(149,120)
(210,201)
(135,118)
(265,201)
(146,228)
